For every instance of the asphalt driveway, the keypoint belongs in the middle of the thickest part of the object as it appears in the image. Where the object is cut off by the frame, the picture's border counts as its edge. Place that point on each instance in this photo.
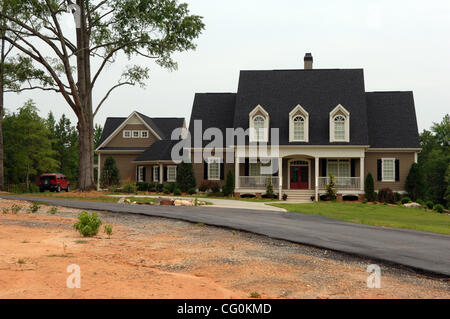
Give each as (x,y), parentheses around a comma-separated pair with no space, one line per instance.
(420,250)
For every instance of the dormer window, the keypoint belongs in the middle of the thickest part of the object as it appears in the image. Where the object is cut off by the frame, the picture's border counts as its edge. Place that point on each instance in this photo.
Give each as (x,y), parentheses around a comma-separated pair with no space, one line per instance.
(339,125)
(259,125)
(298,125)
(339,128)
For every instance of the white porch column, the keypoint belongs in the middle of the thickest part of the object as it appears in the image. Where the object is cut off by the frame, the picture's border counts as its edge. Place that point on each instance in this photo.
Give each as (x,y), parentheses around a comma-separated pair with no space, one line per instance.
(236,171)
(98,172)
(361,173)
(161,172)
(280,177)
(316,174)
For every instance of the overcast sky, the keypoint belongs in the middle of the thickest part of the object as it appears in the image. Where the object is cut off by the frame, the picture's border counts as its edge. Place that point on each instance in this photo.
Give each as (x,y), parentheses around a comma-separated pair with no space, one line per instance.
(401,45)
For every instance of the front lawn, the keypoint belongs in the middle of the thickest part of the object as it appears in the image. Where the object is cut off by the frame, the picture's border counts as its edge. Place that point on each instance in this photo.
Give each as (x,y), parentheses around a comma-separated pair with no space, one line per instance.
(376,215)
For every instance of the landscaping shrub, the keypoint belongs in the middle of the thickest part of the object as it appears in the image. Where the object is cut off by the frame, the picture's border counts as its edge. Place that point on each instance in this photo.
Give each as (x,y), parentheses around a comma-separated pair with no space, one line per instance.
(185,177)
(53,210)
(110,173)
(414,182)
(421,202)
(331,191)
(269,189)
(33,188)
(166,189)
(129,187)
(430,204)
(108,230)
(284,197)
(215,187)
(141,186)
(159,188)
(88,225)
(405,200)
(204,186)
(386,195)
(177,192)
(191,191)
(171,187)
(151,187)
(439,208)
(15,208)
(369,192)
(228,188)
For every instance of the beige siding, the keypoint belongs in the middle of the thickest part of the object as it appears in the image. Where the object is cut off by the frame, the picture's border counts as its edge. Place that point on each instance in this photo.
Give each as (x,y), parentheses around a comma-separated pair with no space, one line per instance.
(406,159)
(127,169)
(120,141)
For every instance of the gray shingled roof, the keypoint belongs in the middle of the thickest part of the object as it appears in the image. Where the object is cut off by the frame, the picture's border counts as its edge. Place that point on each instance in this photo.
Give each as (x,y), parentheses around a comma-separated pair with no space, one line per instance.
(317,91)
(392,120)
(163,126)
(215,110)
(159,151)
(373,116)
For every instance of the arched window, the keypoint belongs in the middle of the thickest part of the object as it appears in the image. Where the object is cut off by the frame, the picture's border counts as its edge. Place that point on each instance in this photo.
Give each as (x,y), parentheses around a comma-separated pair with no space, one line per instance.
(259,126)
(339,128)
(299,128)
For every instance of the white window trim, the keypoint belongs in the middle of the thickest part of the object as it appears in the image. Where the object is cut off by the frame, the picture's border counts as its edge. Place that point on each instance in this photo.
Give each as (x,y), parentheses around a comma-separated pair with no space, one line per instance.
(254,113)
(134,131)
(393,170)
(155,171)
(140,172)
(298,110)
(335,112)
(338,160)
(215,160)
(124,135)
(141,133)
(169,167)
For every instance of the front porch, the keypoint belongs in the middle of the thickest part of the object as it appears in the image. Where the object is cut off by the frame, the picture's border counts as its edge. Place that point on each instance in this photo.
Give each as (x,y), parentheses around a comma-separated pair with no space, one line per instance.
(300,176)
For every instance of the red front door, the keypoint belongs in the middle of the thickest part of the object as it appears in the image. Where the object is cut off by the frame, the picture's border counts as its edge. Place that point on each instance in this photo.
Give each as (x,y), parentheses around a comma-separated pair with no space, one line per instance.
(299,177)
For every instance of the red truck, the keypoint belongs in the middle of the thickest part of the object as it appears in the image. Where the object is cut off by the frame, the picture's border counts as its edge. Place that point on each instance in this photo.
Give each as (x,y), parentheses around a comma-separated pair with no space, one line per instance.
(53,182)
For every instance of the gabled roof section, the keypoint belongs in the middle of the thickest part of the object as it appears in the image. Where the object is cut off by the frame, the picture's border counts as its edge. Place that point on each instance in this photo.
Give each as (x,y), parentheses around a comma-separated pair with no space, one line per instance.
(215,110)
(318,91)
(392,120)
(161,127)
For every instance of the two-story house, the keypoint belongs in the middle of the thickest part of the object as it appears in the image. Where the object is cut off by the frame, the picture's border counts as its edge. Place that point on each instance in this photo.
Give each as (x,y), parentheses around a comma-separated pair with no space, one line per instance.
(326,124)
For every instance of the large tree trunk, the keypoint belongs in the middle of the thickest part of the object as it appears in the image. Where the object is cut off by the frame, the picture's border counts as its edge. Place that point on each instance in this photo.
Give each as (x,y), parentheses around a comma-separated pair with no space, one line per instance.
(2,76)
(85,118)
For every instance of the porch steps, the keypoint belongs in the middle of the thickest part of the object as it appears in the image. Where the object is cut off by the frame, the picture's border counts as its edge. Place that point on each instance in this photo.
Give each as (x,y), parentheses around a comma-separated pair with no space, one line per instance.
(298,196)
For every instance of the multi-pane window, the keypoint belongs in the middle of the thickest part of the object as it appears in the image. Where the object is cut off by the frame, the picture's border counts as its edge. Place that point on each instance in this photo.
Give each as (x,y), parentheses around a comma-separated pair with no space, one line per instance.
(144,134)
(155,173)
(339,168)
(339,128)
(213,168)
(140,176)
(136,134)
(259,127)
(299,128)
(260,169)
(171,173)
(126,134)
(388,170)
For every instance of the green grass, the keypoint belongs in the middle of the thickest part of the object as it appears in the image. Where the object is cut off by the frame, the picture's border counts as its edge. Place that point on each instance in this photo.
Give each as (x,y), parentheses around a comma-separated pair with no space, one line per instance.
(377,215)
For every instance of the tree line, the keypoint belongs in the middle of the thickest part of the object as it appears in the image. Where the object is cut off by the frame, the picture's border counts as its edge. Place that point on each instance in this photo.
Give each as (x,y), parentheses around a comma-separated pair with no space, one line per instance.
(34,145)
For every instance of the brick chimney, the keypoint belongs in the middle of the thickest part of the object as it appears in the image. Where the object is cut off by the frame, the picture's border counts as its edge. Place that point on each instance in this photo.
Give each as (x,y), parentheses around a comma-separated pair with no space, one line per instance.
(308,61)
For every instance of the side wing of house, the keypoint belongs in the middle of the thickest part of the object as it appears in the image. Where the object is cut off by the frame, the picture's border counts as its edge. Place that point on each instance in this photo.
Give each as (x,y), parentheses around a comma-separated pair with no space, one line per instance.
(127,139)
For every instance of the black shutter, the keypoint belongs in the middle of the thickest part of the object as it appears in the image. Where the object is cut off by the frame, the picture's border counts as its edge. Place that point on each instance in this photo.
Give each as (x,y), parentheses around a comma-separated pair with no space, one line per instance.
(137,173)
(379,170)
(352,167)
(397,170)
(222,170)
(205,170)
(165,174)
(246,167)
(143,173)
(324,167)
